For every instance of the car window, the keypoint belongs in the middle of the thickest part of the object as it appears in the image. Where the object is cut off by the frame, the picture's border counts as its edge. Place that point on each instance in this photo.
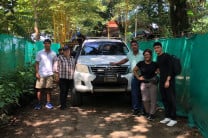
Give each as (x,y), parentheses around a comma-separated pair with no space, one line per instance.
(104,48)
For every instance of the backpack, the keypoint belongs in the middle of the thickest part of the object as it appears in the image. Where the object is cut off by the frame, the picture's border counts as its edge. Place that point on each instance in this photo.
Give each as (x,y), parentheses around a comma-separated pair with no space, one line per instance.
(177,68)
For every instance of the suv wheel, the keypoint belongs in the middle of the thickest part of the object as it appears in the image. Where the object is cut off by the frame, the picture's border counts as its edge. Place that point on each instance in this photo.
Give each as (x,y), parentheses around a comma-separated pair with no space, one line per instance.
(76,98)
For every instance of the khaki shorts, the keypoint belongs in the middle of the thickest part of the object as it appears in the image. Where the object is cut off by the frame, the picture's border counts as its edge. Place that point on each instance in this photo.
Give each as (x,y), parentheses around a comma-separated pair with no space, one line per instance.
(44,82)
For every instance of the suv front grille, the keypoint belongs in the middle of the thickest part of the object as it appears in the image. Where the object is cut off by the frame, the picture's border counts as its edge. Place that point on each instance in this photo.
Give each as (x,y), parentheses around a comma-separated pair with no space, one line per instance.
(109,78)
(109,70)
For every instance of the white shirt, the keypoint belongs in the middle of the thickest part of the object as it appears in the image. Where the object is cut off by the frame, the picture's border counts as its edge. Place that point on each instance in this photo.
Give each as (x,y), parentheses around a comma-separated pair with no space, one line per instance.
(45,62)
(134,59)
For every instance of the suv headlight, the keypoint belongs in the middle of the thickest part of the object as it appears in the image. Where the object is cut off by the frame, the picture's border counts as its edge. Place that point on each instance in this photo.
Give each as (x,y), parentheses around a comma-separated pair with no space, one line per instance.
(82,68)
(129,69)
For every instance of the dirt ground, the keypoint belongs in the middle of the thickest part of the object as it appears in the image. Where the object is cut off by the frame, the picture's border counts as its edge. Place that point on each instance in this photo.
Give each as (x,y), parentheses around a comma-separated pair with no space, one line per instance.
(100,116)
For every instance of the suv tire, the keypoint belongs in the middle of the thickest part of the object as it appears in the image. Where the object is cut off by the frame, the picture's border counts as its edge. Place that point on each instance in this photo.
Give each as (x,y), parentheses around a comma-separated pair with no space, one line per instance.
(76,98)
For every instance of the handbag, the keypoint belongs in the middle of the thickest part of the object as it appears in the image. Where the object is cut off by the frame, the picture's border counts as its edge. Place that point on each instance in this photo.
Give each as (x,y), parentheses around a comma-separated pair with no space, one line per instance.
(154,80)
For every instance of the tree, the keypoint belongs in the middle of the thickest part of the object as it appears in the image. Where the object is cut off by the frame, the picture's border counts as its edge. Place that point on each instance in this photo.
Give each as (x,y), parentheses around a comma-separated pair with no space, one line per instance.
(7,21)
(179,17)
(77,16)
(35,6)
(27,16)
(62,18)
(198,16)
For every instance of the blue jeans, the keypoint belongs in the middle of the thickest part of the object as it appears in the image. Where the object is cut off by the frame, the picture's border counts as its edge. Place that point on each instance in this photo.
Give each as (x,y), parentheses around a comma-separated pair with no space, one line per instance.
(136,96)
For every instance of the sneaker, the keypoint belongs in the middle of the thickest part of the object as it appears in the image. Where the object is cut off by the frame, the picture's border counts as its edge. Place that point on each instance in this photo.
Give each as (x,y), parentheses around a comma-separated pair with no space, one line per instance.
(147,115)
(151,118)
(172,123)
(164,121)
(135,113)
(143,113)
(38,107)
(62,107)
(49,106)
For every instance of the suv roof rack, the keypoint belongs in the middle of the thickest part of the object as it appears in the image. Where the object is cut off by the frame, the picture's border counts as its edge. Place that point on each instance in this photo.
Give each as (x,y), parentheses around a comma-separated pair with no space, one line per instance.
(119,38)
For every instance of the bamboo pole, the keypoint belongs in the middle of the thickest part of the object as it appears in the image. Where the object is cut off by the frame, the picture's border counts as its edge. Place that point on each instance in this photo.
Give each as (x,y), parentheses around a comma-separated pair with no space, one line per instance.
(126,20)
(54,27)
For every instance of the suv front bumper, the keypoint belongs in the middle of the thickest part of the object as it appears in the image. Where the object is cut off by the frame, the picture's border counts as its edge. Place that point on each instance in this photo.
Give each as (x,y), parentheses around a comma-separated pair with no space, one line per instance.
(86,82)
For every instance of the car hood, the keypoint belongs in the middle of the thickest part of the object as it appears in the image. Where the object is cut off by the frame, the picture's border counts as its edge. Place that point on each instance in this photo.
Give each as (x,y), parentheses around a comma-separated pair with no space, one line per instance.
(99,60)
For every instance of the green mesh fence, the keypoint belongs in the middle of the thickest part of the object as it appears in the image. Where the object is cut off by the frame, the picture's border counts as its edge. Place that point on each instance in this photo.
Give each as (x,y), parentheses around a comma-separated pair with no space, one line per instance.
(16,52)
(191,84)
(199,83)
(11,53)
(32,48)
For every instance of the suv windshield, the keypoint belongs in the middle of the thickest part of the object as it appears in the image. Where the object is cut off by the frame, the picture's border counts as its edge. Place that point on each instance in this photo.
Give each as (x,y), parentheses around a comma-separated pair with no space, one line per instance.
(104,48)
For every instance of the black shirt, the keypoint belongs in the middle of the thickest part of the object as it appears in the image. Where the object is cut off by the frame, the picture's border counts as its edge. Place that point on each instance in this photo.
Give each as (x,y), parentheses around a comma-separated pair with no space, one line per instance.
(165,66)
(147,70)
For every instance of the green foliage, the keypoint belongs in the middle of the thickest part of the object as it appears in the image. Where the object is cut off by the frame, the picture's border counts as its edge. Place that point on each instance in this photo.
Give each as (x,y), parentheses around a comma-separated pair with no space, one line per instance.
(198,16)
(201,26)
(151,11)
(80,14)
(13,85)
(18,18)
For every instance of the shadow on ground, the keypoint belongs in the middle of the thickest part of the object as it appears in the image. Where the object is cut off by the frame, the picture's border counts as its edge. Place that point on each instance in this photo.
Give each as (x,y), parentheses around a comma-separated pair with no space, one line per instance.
(100,116)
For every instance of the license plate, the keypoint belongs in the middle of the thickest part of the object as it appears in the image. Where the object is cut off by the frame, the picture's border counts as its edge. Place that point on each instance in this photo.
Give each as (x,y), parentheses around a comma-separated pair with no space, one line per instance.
(110,79)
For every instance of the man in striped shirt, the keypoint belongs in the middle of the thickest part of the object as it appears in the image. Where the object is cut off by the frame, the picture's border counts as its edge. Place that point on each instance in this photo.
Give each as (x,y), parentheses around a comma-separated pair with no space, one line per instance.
(65,71)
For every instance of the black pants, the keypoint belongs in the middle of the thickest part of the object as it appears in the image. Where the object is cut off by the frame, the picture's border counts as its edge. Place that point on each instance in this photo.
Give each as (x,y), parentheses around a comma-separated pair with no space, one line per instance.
(169,99)
(65,85)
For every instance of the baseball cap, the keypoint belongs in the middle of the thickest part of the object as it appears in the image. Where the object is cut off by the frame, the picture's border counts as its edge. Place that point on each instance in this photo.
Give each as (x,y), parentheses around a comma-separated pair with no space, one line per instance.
(66,48)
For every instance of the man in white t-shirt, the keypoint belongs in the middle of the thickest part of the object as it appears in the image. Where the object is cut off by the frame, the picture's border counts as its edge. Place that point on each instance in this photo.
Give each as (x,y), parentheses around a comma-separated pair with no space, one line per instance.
(44,73)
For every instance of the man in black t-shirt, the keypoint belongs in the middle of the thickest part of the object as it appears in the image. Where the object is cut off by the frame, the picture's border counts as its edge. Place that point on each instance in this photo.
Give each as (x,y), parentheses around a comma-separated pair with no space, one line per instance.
(166,85)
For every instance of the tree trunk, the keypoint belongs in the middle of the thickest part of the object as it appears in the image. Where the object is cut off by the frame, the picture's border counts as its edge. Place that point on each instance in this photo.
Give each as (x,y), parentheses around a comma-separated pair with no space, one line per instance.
(37,34)
(178,17)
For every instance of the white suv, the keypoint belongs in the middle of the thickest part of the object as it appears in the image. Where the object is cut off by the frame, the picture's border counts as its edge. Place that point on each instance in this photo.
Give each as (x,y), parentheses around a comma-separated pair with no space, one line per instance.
(93,73)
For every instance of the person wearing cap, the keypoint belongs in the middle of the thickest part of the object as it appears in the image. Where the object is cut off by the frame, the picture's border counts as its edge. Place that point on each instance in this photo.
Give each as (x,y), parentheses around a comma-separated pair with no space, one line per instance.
(44,73)
(65,71)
